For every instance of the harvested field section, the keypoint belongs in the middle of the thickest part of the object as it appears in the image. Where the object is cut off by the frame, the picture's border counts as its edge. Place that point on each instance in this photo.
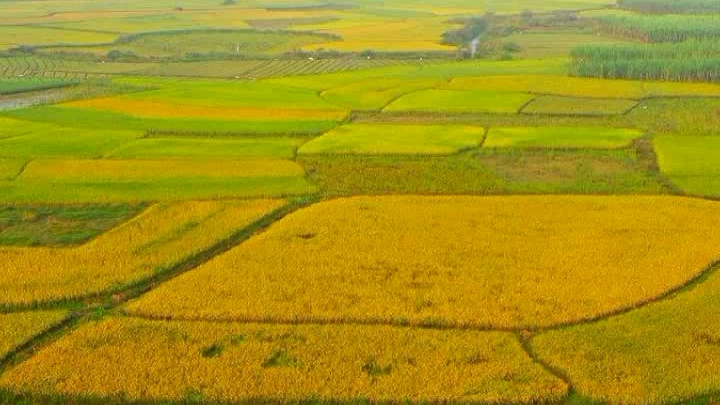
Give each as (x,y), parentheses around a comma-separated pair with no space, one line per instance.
(59,225)
(573,171)
(153,242)
(18,328)
(484,171)
(553,105)
(395,139)
(234,362)
(668,351)
(458,101)
(560,137)
(442,261)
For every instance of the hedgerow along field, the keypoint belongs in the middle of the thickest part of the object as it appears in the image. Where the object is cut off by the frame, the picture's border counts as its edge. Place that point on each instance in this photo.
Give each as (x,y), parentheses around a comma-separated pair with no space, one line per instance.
(359,202)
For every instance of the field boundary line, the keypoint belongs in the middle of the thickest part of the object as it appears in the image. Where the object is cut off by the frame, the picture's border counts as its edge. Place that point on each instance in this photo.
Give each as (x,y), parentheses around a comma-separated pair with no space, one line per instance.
(633,108)
(20,171)
(485,137)
(526,104)
(645,149)
(113,297)
(39,340)
(524,340)
(396,98)
(133,290)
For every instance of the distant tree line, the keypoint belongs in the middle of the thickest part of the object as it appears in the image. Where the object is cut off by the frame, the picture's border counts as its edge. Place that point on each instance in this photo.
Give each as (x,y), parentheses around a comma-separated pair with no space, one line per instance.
(690,61)
(472,29)
(671,6)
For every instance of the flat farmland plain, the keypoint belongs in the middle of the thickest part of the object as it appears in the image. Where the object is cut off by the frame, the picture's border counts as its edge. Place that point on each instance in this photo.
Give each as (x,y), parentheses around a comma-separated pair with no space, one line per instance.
(362,273)
(359,202)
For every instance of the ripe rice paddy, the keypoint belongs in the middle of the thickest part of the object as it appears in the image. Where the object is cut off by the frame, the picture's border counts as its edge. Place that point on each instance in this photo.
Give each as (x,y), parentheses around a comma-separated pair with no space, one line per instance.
(60,225)
(141,206)
(395,139)
(153,242)
(560,137)
(466,275)
(667,351)
(18,328)
(240,362)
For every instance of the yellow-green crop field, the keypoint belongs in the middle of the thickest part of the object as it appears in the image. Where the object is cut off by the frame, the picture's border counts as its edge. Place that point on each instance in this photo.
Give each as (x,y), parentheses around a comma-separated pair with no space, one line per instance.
(395,139)
(342,261)
(18,328)
(155,241)
(359,202)
(226,362)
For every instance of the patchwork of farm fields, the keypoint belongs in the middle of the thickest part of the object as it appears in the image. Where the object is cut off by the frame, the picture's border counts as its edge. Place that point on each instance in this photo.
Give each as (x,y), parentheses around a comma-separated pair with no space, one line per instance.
(359,202)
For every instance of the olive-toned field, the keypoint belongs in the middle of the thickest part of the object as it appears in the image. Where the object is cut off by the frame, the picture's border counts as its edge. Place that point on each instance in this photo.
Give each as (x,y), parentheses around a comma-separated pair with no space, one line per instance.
(359,202)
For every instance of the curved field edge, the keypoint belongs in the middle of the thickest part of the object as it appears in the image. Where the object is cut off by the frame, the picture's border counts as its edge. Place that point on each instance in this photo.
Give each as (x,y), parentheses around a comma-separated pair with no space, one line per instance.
(288,363)
(279,302)
(112,295)
(19,328)
(666,352)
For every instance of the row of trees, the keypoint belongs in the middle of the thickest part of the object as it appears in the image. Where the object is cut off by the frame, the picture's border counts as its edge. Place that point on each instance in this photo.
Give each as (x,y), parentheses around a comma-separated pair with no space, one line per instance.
(472,29)
(664,28)
(692,62)
(671,6)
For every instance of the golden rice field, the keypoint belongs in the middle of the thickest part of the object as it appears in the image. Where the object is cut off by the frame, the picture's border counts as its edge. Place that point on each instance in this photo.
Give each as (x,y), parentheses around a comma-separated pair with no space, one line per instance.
(237,362)
(17,328)
(667,351)
(338,202)
(452,261)
(159,238)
